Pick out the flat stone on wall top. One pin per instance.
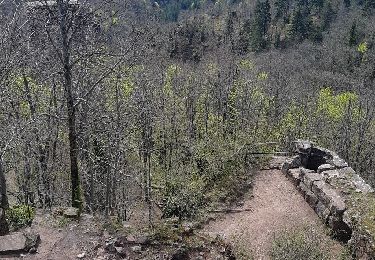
(325, 167)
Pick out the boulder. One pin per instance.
(71, 212)
(18, 242)
(276, 162)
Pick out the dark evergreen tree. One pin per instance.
(257, 41)
(317, 4)
(300, 25)
(369, 6)
(260, 25)
(353, 35)
(262, 15)
(327, 15)
(244, 37)
(281, 8)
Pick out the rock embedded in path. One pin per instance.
(71, 212)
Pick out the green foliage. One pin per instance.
(171, 73)
(121, 86)
(20, 216)
(293, 124)
(336, 106)
(183, 200)
(362, 47)
(297, 245)
(246, 64)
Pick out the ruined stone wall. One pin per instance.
(339, 196)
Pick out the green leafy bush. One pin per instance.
(182, 200)
(297, 245)
(20, 216)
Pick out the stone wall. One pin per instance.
(339, 196)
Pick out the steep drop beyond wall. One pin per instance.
(339, 196)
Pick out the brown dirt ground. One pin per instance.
(276, 206)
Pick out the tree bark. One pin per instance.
(4, 229)
(68, 87)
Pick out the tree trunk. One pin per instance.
(68, 87)
(4, 229)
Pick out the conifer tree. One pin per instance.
(353, 35)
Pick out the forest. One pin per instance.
(120, 106)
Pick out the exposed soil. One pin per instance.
(276, 206)
(273, 207)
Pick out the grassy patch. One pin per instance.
(299, 244)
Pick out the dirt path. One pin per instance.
(276, 206)
(66, 242)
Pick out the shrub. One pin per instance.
(182, 200)
(20, 216)
(297, 245)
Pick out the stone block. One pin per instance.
(304, 171)
(311, 199)
(303, 188)
(322, 211)
(337, 162)
(360, 184)
(310, 178)
(291, 163)
(329, 197)
(331, 174)
(325, 167)
(295, 176)
(71, 212)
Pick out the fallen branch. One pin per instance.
(230, 210)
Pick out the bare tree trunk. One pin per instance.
(4, 229)
(68, 87)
